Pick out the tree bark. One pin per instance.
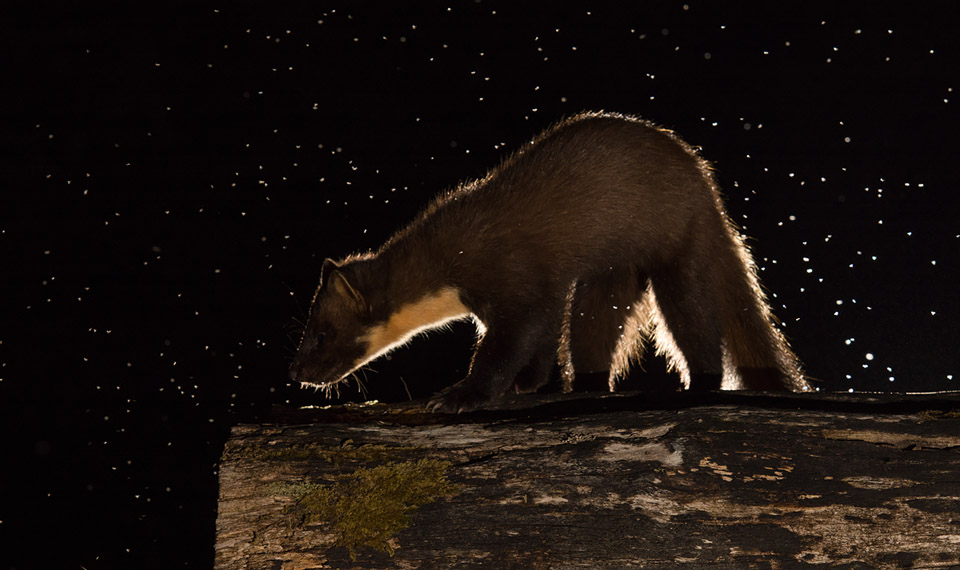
(721, 480)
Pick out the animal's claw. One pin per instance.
(455, 400)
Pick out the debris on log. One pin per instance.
(612, 481)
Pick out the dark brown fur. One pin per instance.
(602, 233)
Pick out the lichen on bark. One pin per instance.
(369, 506)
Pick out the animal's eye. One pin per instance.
(320, 338)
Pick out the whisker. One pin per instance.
(405, 388)
(361, 387)
(294, 331)
(330, 389)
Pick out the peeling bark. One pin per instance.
(728, 480)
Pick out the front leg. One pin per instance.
(500, 355)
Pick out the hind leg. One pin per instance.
(596, 318)
(686, 297)
(608, 322)
(537, 373)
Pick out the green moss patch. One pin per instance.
(368, 506)
(294, 491)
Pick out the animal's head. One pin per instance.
(333, 342)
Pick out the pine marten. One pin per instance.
(601, 233)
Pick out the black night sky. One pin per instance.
(173, 177)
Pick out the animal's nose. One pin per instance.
(294, 373)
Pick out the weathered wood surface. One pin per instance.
(727, 480)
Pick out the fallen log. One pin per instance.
(721, 480)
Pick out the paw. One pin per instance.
(527, 386)
(455, 400)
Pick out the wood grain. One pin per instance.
(725, 480)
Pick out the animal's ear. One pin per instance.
(329, 266)
(341, 285)
(338, 279)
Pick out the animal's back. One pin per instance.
(595, 190)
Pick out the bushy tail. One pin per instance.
(609, 324)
